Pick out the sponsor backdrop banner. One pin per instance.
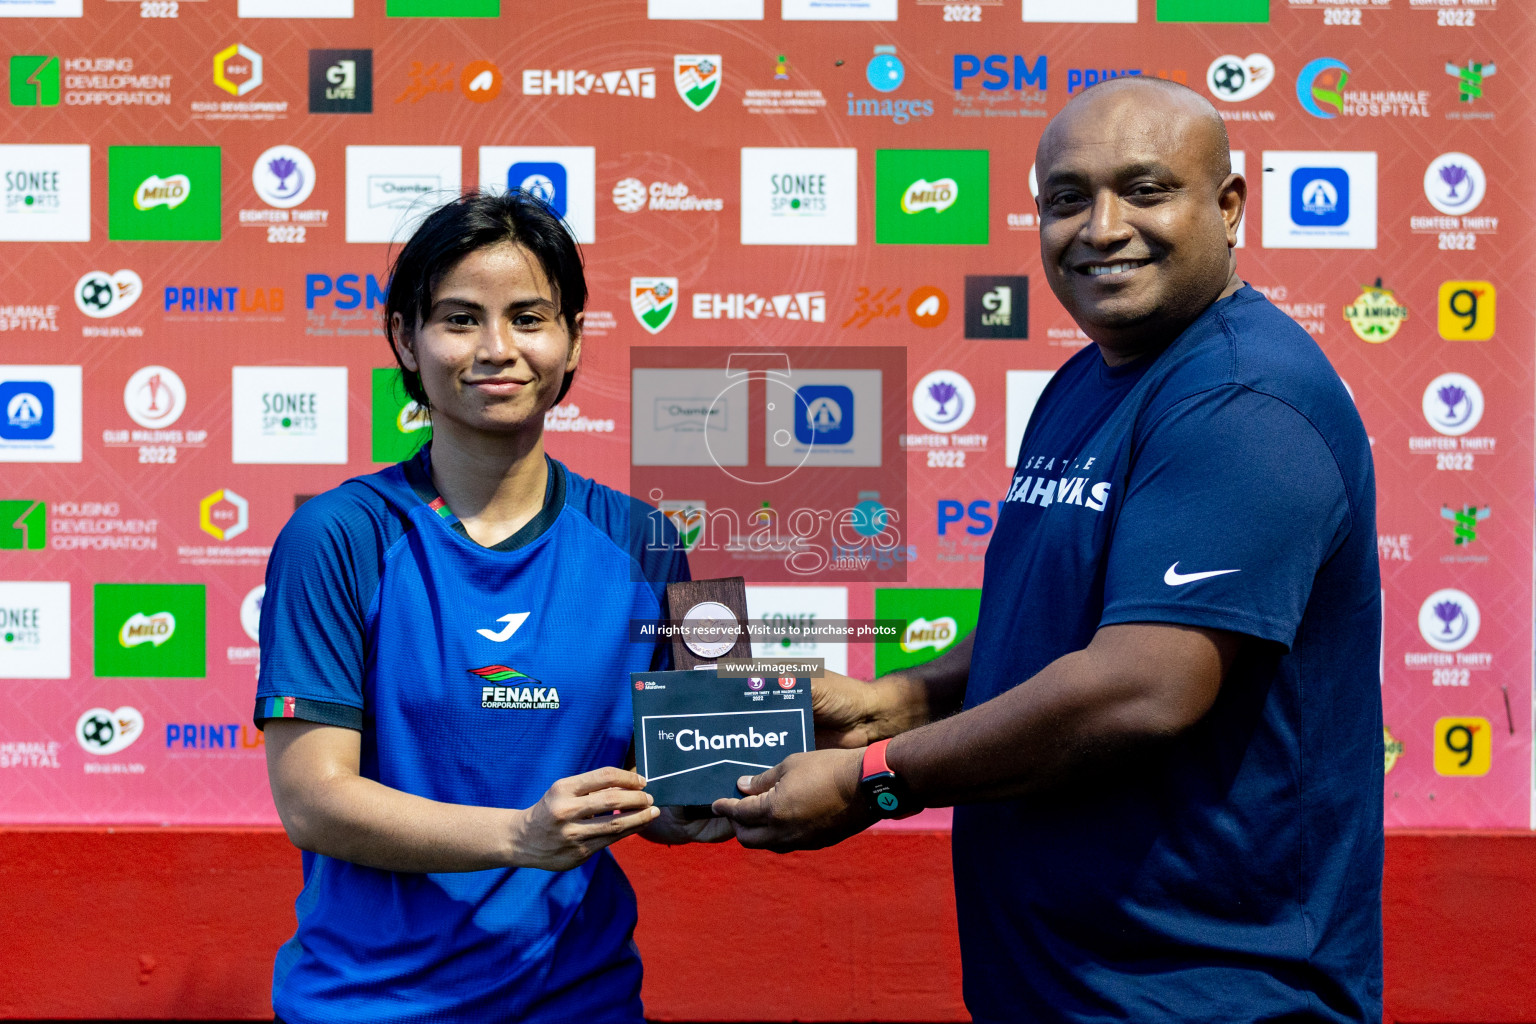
(197, 209)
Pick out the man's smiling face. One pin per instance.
(1137, 213)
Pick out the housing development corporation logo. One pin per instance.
(23, 525)
(697, 77)
(34, 80)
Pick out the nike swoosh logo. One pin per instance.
(1174, 578)
(512, 622)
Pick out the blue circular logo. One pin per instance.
(887, 801)
(885, 72)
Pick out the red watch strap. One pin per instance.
(874, 760)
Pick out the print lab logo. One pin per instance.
(155, 397)
(943, 401)
(653, 300)
(103, 732)
(1453, 404)
(509, 689)
(100, 295)
(1454, 183)
(697, 77)
(1235, 79)
(1449, 620)
(341, 81)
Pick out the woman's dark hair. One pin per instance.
(474, 221)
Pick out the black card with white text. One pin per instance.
(696, 734)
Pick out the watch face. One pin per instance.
(710, 629)
(887, 801)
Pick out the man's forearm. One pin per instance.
(922, 694)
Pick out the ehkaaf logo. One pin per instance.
(513, 690)
(341, 81)
(224, 515)
(636, 83)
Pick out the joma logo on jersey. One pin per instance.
(521, 691)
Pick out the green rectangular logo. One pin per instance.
(442, 9)
(34, 81)
(1215, 11)
(931, 197)
(151, 630)
(163, 193)
(23, 525)
(400, 426)
(934, 621)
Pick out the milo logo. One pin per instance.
(937, 196)
(922, 634)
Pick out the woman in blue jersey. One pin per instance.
(446, 649)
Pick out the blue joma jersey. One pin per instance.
(476, 676)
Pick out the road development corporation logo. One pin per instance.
(653, 300)
(697, 77)
(45, 194)
(508, 689)
(1376, 315)
(283, 177)
(237, 69)
(103, 732)
(1235, 79)
(1453, 404)
(224, 515)
(943, 401)
(155, 397)
(1454, 183)
(1449, 620)
(100, 295)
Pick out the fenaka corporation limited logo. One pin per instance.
(341, 81)
(508, 689)
(653, 300)
(1377, 315)
(697, 77)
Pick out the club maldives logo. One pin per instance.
(283, 177)
(943, 401)
(654, 301)
(1449, 620)
(697, 77)
(139, 628)
(1454, 183)
(155, 397)
(688, 519)
(507, 688)
(1376, 315)
(1453, 404)
(1469, 79)
(1320, 87)
(1235, 79)
(1464, 521)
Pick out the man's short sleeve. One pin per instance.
(321, 577)
(1233, 503)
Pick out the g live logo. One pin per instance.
(1463, 746)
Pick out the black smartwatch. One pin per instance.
(885, 794)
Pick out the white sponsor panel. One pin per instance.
(564, 175)
(390, 189)
(799, 196)
(41, 8)
(1095, 12)
(289, 415)
(1318, 199)
(45, 193)
(688, 418)
(40, 413)
(34, 630)
(800, 608)
(295, 8)
(1024, 389)
(704, 10)
(838, 10)
(824, 418)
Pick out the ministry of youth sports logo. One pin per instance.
(697, 77)
(1453, 404)
(1449, 620)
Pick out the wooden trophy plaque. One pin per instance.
(714, 613)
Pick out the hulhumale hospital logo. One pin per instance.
(1449, 620)
(1453, 404)
(1320, 87)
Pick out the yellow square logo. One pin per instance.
(1463, 746)
(1467, 310)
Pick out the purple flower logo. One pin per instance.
(1451, 396)
(944, 392)
(1449, 620)
(1448, 612)
(1454, 176)
(282, 169)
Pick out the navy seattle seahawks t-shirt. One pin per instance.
(1235, 875)
(476, 675)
